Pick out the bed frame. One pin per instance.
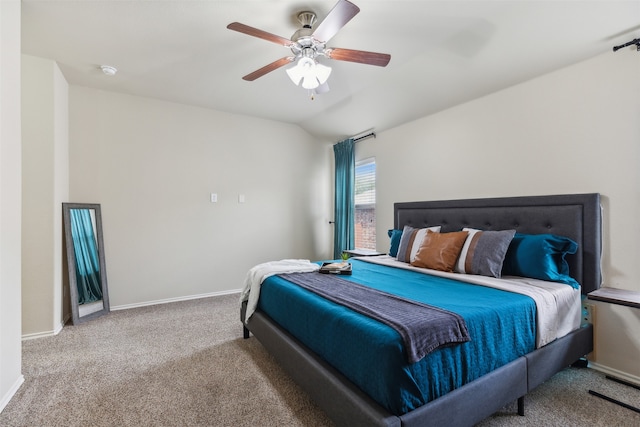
(577, 216)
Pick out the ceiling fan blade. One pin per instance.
(337, 18)
(245, 29)
(268, 68)
(361, 56)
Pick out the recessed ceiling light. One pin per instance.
(109, 70)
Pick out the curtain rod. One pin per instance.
(360, 138)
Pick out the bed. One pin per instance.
(577, 217)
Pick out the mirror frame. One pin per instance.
(71, 262)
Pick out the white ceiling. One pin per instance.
(443, 53)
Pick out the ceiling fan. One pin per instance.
(308, 44)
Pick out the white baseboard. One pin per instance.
(169, 300)
(57, 330)
(128, 306)
(615, 373)
(36, 335)
(12, 391)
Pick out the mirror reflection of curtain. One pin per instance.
(86, 252)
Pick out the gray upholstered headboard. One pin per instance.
(576, 216)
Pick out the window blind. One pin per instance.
(365, 192)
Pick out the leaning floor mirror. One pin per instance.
(85, 261)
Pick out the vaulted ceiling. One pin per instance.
(443, 53)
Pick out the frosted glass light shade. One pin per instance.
(310, 82)
(322, 73)
(295, 74)
(308, 72)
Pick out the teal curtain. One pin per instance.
(86, 252)
(343, 234)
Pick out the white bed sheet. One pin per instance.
(256, 275)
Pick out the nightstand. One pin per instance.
(362, 252)
(621, 297)
(616, 296)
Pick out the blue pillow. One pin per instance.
(540, 256)
(395, 236)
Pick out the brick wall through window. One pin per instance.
(365, 231)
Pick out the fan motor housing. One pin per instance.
(303, 35)
(304, 43)
(307, 19)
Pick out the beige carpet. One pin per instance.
(186, 364)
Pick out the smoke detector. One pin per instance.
(108, 70)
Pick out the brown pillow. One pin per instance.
(440, 251)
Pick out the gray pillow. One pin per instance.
(484, 251)
(410, 242)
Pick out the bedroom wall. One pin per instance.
(45, 185)
(571, 131)
(152, 166)
(10, 194)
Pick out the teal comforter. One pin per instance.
(501, 326)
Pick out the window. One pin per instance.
(365, 201)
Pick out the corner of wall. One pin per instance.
(45, 185)
(10, 200)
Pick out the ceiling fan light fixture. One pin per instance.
(322, 73)
(295, 73)
(310, 83)
(307, 44)
(308, 72)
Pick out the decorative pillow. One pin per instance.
(411, 240)
(439, 251)
(540, 256)
(395, 236)
(483, 252)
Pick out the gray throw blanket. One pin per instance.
(423, 328)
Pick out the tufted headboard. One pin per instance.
(576, 216)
